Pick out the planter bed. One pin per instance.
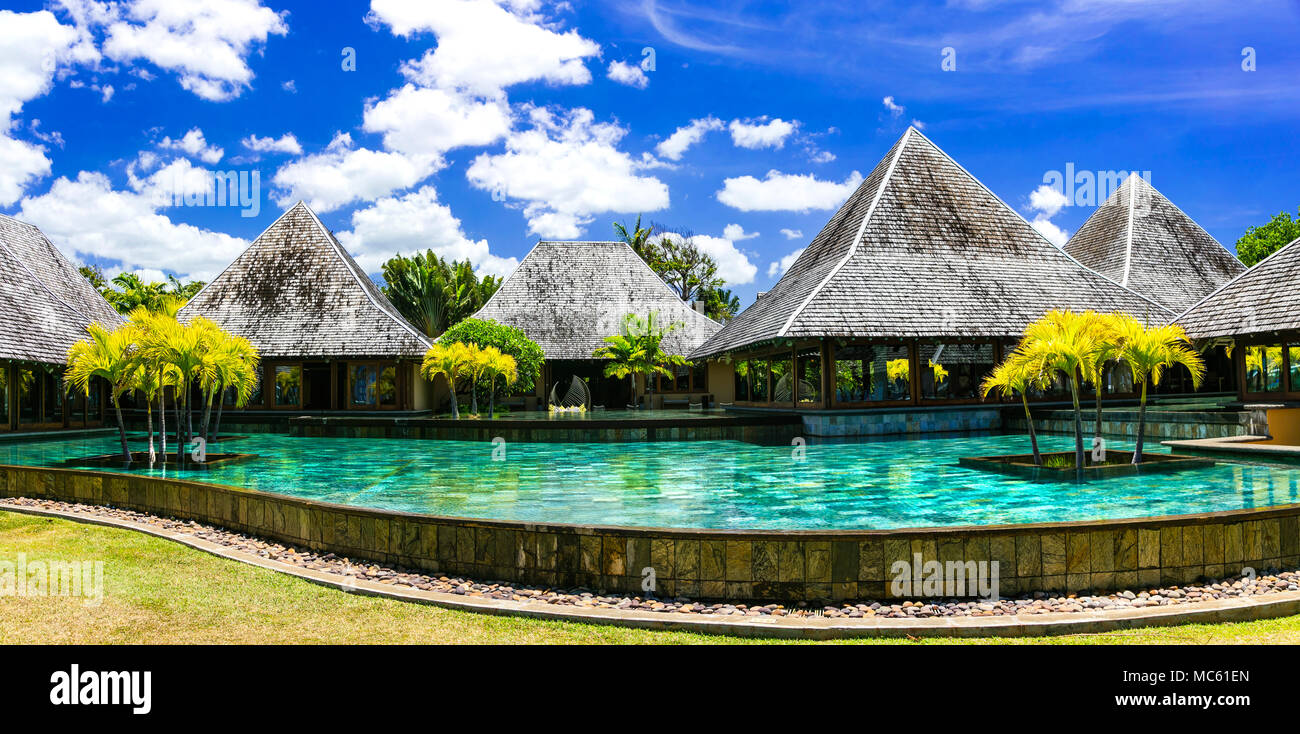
(1118, 464)
(114, 461)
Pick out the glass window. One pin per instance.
(700, 376)
(4, 396)
(1264, 368)
(742, 380)
(387, 386)
(288, 385)
(1293, 353)
(782, 377)
(808, 367)
(255, 397)
(759, 377)
(872, 372)
(954, 371)
(362, 385)
(95, 402)
(53, 403)
(29, 397)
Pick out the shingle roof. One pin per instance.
(1140, 239)
(45, 303)
(1260, 300)
(296, 292)
(923, 249)
(569, 296)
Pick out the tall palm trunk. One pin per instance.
(216, 430)
(121, 430)
(207, 415)
(180, 427)
(1078, 421)
(473, 397)
(1097, 429)
(162, 416)
(1033, 435)
(455, 406)
(1142, 425)
(148, 419)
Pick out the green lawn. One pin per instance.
(157, 591)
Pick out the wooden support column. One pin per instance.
(334, 384)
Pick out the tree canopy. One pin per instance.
(508, 339)
(1260, 242)
(128, 291)
(434, 293)
(690, 272)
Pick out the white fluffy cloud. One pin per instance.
(792, 234)
(786, 192)
(194, 145)
(779, 267)
(629, 74)
(733, 265)
(416, 222)
(287, 143)
(342, 174)
(33, 46)
(761, 133)
(1046, 201)
(736, 233)
(484, 47)
(207, 44)
(421, 121)
(566, 168)
(675, 145)
(89, 217)
(894, 109)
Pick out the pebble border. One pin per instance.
(1229, 600)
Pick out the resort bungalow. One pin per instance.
(894, 313)
(45, 307)
(569, 296)
(328, 338)
(1139, 239)
(1258, 316)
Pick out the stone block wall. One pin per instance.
(709, 564)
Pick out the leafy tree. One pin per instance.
(1064, 342)
(638, 238)
(450, 360)
(720, 304)
(433, 293)
(636, 350)
(1148, 352)
(496, 364)
(1018, 375)
(1260, 242)
(685, 268)
(127, 291)
(508, 339)
(110, 356)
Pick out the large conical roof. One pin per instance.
(295, 292)
(569, 296)
(45, 302)
(1139, 238)
(923, 249)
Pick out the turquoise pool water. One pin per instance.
(705, 484)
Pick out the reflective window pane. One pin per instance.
(808, 367)
(1264, 368)
(387, 387)
(741, 369)
(288, 385)
(872, 372)
(362, 381)
(1294, 356)
(954, 371)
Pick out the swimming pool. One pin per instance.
(874, 485)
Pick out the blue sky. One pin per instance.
(477, 127)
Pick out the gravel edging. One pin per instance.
(1232, 600)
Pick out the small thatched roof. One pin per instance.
(1261, 300)
(45, 302)
(923, 249)
(569, 296)
(1140, 239)
(295, 292)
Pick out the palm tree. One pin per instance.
(1064, 342)
(497, 364)
(1108, 348)
(1148, 351)
(450, 361)
(231, 361)
(1018, 374)
(638, 238)
(184, 347)
(637, 350)
(109, 355)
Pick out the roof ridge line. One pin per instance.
(661, 281)
(862, 228)
(1241, 275)
(1187, 216)
(1128, 232)
(251, 242)
(337, 247)
(1034, 229)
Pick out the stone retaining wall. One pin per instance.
(709, 564)
(885, 423)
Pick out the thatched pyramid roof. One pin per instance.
(569, 296)
(1139, 238)
(45, 303)
(1261, 300)
(295, 292)
(923, 249)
